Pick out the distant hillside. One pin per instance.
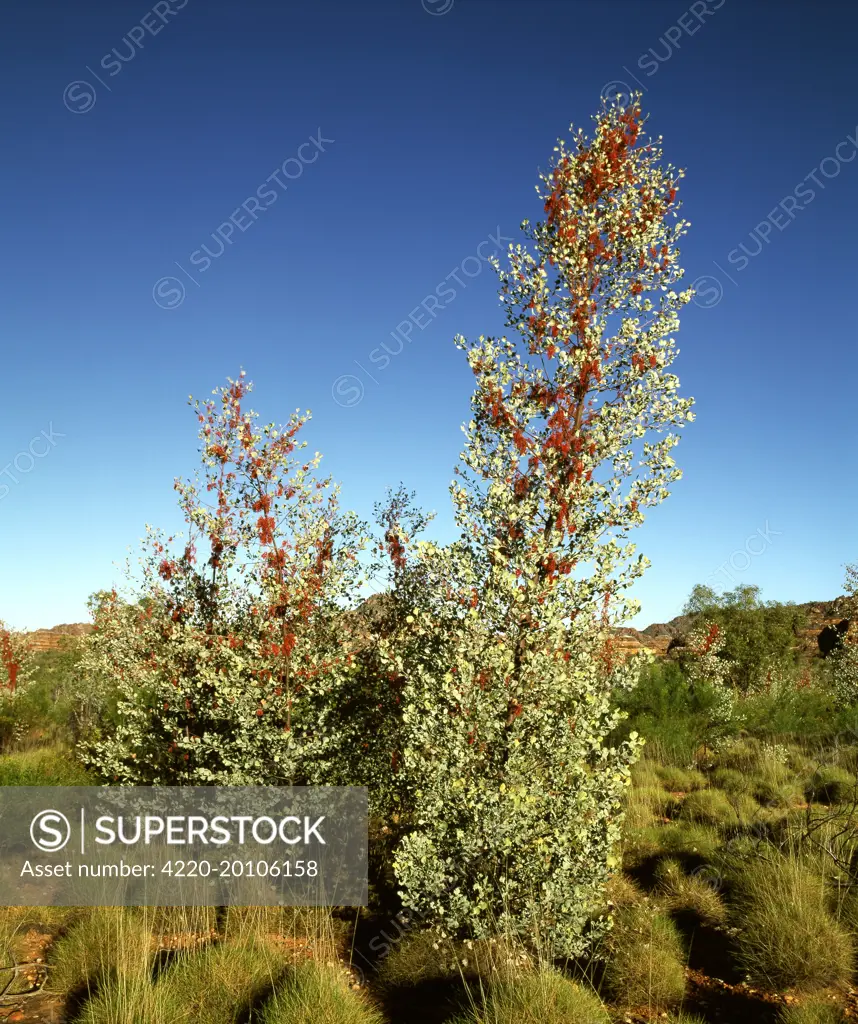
(656, 637)
(52, 639)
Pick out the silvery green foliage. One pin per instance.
(516, 793)
(705, 665)
(230, 668)
(844, 674)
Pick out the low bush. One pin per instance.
(419, 956)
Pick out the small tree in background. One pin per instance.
(517, 797)
(844, 660)
(229, 666)
(760, 639)
(707, 666)
(16, 661)
(16, 672)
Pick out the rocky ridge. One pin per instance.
(821, 615)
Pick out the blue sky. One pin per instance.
(133, 132)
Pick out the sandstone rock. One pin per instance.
(55, 638)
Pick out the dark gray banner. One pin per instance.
(189, 846)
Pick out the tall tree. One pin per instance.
(517, 797)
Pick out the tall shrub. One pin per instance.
(516, 794)
(16, 671)
(707, 668)
(761, 638)
(232, 660)
(16, 661)
(367, 717)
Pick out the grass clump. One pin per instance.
(696, 892)
(645, 803)
(315, 993)
(780, 795)
(680, 838)
(217, 984)
(680, 780)
(645, 960)
(812, 1011)
(623, 892)
(170, 923)
(544, 997)
(709, 807)
(645, 773)
(46, 766)
(740, 755)
(730, 780)
(788, 936)
(105, 944)
(831, 785)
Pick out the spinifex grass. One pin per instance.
(788, 936)
(544, 997)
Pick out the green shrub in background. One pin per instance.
(791, 710)
(16, 667)
(675, 717)
(760, 637)
(56, 706)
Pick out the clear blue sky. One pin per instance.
(440, 115)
